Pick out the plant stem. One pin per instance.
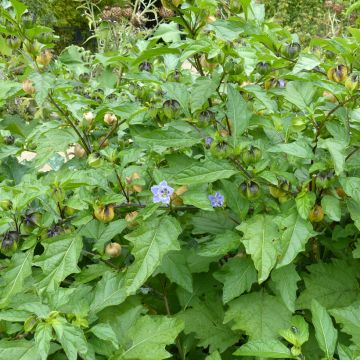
(69, 121)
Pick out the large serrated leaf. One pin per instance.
(151, 242)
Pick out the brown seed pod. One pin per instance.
(113, 249)
(28, 87)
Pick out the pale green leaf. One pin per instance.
(18, 350)
(299, 148)
(13, 277)
(204, 172)
(333, 285)
(265, 349)
(298, 333)
(148, 338)
(306, 62)
(305, 201)
(58, 260)
(349, 318)
(284, 284)
(254, 314)
(260, 237)
(221, 244)
(332, 207)
(351, 186)
(295, 234)
(337, 150)
(109, 291)
(326, 334)
(174, 266)
(151, 241)
(105, 332)
(238, 113)
(202, 90)
(43, 336)
(300, 93)
(237, 275)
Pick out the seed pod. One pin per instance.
(130, 218)
(166, 13)
(171, 108)
(79, 151)
(340, 191)
(250, 189)
(89, 117)
(145, 66)
(316, 214)
(323, 179)
(14, 42)
(110, 118)
(251, 155)
(104, 213)
(9, 140)
(5, 205)
(293, 50)
(206, 117)
(58, 194)
(94, 160)
(44, 58)
(263, 67)
(338, 73)
(352, 82)
(127, 12)
(329, 96)
(54, 231)
(113, 249)
(28, 87)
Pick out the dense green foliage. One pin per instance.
(194, 194)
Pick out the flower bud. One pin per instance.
(113, 249)
(109, 118)
(28, 87)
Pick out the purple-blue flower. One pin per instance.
(162, 192)
(217, 200)
(208, 140)
(281, 83)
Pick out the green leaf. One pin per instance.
(299, 148)
(238, 113)
(265, 348)
(8, 89)
(305, 201)
(109, 291)
(19, 350)
(300, 93)
(351, 186)
(306, 62)
(332, 207)
(105, 332)
(151, 241)
(260, 237)
(349, 318)
(174, 266)
(165, 137)
(214, 356)
(326, 334)
(58, 260)
(43, 82)
(285, 284)
(221, 244)
(206, 320)
(254, 314)
(179, 92)
(298, 333)
(295, 234)
(202, 90)
(103, 233)
(168, 32)
(12, 279)
(333, 285)
(237, 275)
(148, 338)
(204, 172)
(43, 336)
(237, 203)
(71, 338)
(337, 150)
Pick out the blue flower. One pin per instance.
(281, 83)
(208, 140)
(217, 200)
(162, 192)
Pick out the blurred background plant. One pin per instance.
(310, 18)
